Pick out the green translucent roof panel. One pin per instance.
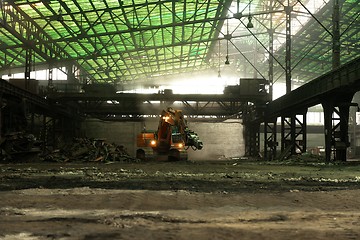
(132, 40)
(111, 40)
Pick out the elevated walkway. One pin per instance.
(343, 80)
(38, 104)
(334, 91)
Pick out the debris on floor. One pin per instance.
(90, 149)
(19, 144)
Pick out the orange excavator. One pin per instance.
(170, 141)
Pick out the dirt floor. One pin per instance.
(235, 199)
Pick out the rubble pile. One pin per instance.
(88, 149)
(18, 145)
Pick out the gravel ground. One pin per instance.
(235, 199)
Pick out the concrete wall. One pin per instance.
(121, 133)
(221, 140)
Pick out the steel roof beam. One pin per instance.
(30, 34)
(20, 25)
(149, 28)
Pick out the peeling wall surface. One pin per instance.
(221, 140)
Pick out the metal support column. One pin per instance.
(300, 133)
(48, 135)
(252, 138)
(251, 131)
(271, 50)
(342, 140)
(270, 143)
(336, 126)
(288, 10)
(287, 123)
(270, 126)
(50, 82)
(28, 57)
(293, 134)
(336, 35)
(328, 113)
(70, 73)
(28, 54)
(286, 145)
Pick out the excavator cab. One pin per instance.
(171, 139)
(146, 141)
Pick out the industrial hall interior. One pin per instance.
(183, 97)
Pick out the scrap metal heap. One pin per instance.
(89, 150)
